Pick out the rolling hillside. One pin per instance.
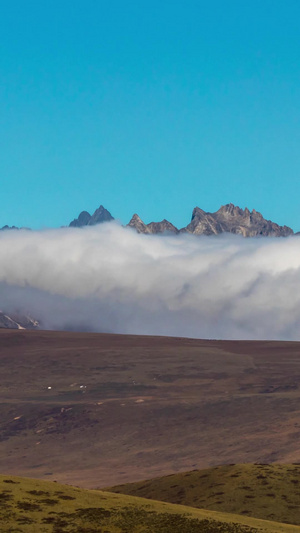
(31, 506)
(270, 492)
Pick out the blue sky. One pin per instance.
(148, 106)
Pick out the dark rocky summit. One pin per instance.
(6, 228)
(85, 219)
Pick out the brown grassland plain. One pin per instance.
(124, 408)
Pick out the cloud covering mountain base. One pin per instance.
(110, 279)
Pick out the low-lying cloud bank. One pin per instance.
(109, 278)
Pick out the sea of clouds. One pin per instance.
(108, 278)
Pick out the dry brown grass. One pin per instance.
(204, 403)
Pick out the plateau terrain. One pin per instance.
(98, 410)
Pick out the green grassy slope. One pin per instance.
(34, 506)
(269, 492)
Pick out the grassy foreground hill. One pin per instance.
(34, 506)
(270, 492)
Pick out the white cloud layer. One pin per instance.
(109, 278)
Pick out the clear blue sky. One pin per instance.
(148, 106)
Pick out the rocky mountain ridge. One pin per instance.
(85, 219)
(228, 219)
(16, 321)
(154, 227)
(232, 219)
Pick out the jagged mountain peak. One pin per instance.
(232, 219)
(82, 220)
(137, 223)
(162, 227)
(233, 210)
(85, 219)
(135, 218)
(101, 215)
(153, 227)
(229, 218)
